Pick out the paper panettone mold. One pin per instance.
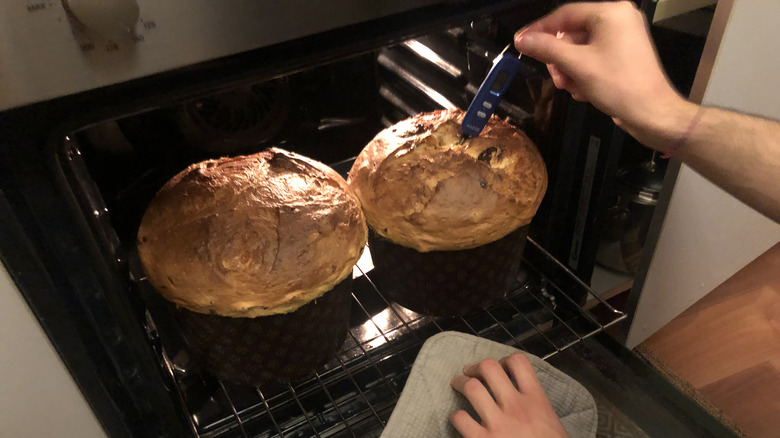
(251, 351)
(447, 283)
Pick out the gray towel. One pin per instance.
(427, 400)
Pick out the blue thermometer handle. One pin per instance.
(494, 86)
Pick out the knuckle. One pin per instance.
(460, 415)
(488, 365)
(618, 11)
(629, 10)
(625, 6)
(519, 360)
(471, 385)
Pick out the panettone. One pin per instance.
(253, 235)
(424, 186)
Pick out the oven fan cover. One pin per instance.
(234, 120)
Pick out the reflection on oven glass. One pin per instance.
(384, 327)
(237, 119)
(364, 264)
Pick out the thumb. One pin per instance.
(546, 48)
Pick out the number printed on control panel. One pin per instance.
(35, 7)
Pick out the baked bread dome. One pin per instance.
(423, 186)
(253, 235)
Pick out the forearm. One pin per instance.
(739, 153)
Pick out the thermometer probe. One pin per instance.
(505, 67)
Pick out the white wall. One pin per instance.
(707, 235)
(38, 397)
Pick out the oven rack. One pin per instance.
(354, 394)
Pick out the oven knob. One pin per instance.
(106, 18)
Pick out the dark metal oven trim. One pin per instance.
(47, 241)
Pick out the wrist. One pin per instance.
(665, 127)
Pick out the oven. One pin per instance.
(101, 104)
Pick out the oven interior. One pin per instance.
(328, 113)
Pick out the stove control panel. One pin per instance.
(106, 18)
(53, 48)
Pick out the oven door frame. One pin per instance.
(53, 256)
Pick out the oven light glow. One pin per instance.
(425, 52)
(364, 264)
(432, 94)
(385, 326)
(376, 328)
(382, 320)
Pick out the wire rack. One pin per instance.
(354, 394)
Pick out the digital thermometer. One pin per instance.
(494, 86)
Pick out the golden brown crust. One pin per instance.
(423, 186)
(253, 235)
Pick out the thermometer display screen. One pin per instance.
(501, 78)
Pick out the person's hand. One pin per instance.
(518, 406)
(602, 53)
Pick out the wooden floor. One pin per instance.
(727, 346)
